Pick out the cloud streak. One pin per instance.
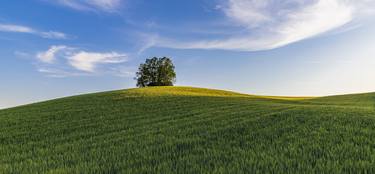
(92, 5)
(87, 61)
(62, 60)
(49, 56)
(272, 24)
(24, 29)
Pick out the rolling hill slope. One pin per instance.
(189, 130)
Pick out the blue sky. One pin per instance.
(56, 48)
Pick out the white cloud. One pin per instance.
(49, 56)
(62, 61)
(87, 61)
(249, 12)
(15, 28)
(105, 4)
(53, 35)
(123, 71)
(59, 73)
(29, 30)
(271, 24)
(92, 5)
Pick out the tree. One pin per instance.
(156, 72)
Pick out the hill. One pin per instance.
(189, 130)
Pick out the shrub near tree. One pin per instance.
(156, 72)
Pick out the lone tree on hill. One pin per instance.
(156, 72)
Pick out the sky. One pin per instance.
(57, 48)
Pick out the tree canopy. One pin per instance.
(156, 72)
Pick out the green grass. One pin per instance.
(189, 130)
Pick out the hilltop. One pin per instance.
(189, 130)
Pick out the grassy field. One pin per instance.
(189, 130)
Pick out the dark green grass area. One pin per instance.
(189, 130)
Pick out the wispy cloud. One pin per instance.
(62, 60)
(16, 28)
(49, 56)
(92, 5)
(271, 24)
(124, 71)
(53, 35)
(24, 29)
(59, 72)
(87, 61)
